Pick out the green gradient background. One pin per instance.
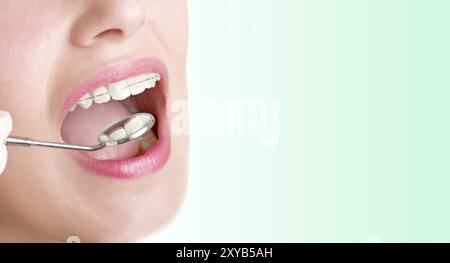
(364, 91)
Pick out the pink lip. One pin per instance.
(155, 158)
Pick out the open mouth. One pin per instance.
(127, 88)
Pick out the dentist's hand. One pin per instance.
(5, 130)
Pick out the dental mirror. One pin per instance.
(119, 132)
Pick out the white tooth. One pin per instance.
(118, 134)
(85, 102)
(152, 84)
(152, 76)
(119, 90)
(134, 80)
(74, 107)
(102, 98)
(149, 84)
(146, 118)
(122, 94)
(148, 75)
(136, 89)
(156, 76)
(133, 125)
(103, 138)
(101, 95)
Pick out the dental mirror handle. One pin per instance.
(20, 141)
(139, 124)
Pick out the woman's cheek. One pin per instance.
(27, 52)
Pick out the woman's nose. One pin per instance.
(106, 20)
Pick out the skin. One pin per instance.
(5, 129)
(46, 48)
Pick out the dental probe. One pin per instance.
(119, 132)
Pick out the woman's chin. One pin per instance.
(131, 217)
(128, 228)
(130, 224)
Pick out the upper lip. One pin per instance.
(114, 73)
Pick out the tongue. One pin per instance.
(84, 126)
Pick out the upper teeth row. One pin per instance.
(120, 90)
